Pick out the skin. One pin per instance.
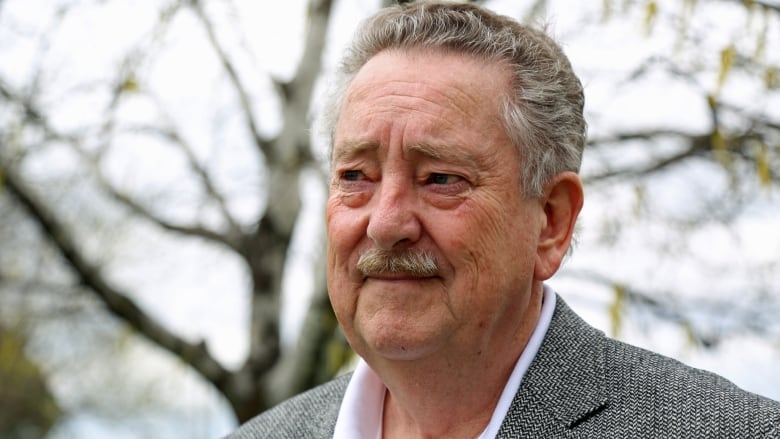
(421, 160)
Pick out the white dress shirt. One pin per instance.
(360, 415)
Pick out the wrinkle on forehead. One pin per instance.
(415, 95)
(447, 84)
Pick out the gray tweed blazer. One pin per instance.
(580, 385)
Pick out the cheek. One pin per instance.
(342, 297)
(345, 229)
(497, 242)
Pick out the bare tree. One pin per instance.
(262, 244)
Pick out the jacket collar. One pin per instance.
(565, 383)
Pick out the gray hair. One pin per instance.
(543, 110)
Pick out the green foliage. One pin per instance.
(772, 77)
(27, 408)
(727, 58)
(617, 309)
(130, 84)
(651, 12)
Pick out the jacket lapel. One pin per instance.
(565, 383)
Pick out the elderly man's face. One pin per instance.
(422, 163)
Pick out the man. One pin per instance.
(456, 137)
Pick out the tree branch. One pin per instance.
(292, 146)
(189, 230)
(769, 6)
(231, 240)
(117, 302)
(233, 234)
(32, 114)
(697, 144)
(727, 316)
(172, 135)
(243, 95)
(734, 145)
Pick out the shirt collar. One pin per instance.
(360, 415)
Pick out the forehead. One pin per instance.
(459, 77)
(438, 93)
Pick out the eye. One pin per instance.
(438, 178)
(352, 181)
(352, 175)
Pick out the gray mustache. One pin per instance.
(416, 262)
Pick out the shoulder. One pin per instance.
(663, 394)
(670, 380)
(311, 414)
(606, 388)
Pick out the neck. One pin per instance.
(454, 394)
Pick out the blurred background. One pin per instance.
(161, 197)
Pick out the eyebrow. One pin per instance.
(455, 155)
(351, 149)
(348, 150)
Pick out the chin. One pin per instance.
(400, 352)
(399, 344)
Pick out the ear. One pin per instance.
(561, 202)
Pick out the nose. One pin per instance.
(393, 221)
